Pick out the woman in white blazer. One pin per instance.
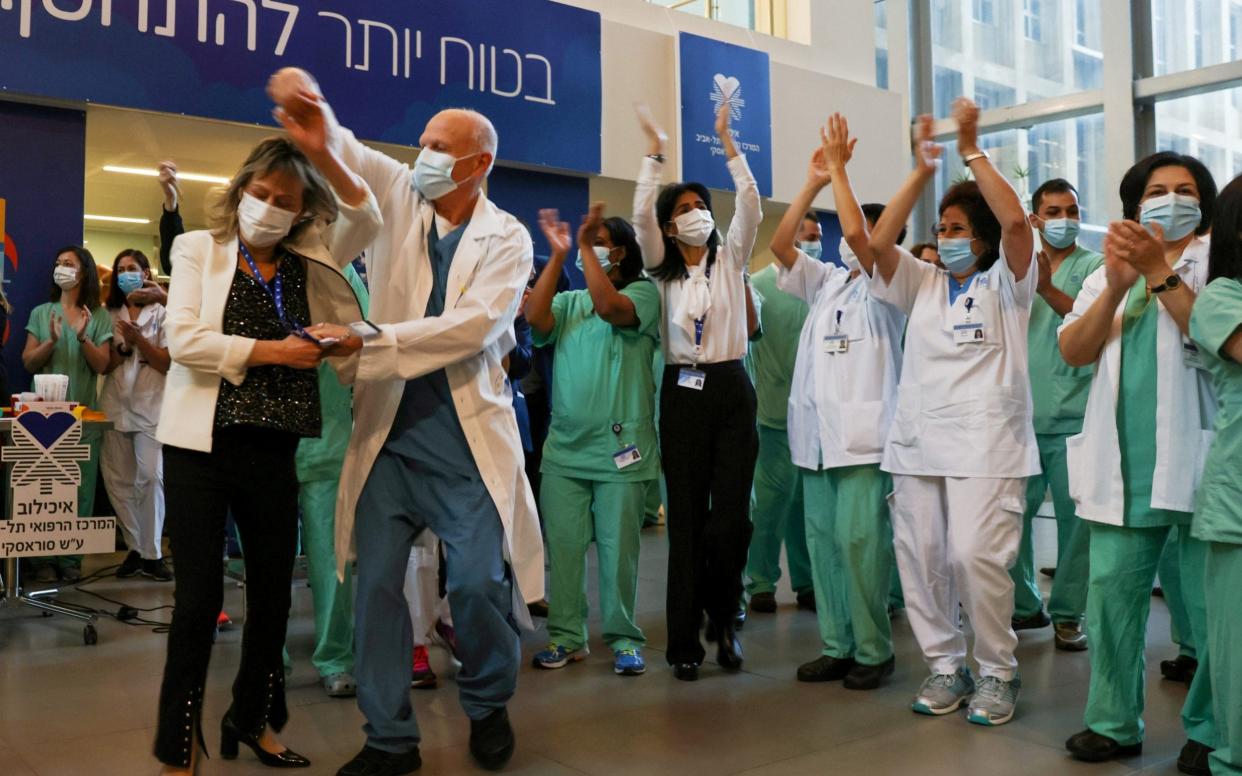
(1136, 465)
(241, 392)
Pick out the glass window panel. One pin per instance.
(1027, 48)
(1206, 126)
(1072, 149)
(881, 44)
(947, 87)
(737, 12)
(1188, 34)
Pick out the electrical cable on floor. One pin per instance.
(124, 614)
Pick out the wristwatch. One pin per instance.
(966, 160)
(1171, 282)
(657, 157)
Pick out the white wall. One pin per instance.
(836, 72)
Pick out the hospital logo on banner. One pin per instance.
(45, 455)
(713, 75)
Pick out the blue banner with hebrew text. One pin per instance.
(386, 66)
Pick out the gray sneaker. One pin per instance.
(340, 686)
(994, 702)
(944, 693)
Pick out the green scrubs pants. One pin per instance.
(850, 539)
(777, 514)
(1224, 630)
(333, 600)
(1174, 598)
(1068, 601)
(1123, 568)
(575, 512)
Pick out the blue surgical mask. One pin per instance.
(812, 248)
(1061, 232)
(129, 282)
(602, 255)
(433, 173)
(1177, 214)
(956, 256)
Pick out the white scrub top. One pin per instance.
(134, 392)
(963, 410)
(842, 402)
(1184, 404)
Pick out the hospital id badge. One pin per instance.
(626, 456)
(968, 333)
(836, 343)
(691, 378)
(1191, 357)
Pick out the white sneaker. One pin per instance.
(994, 702)
(944, 693)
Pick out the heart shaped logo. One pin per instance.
(727, 86)
(46, 429)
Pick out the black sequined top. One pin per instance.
(275, 397)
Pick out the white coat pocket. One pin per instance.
(862, 427)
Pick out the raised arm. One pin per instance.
(171, 225)
(1090, 323)
(747, 208)
(783, 243)
(610, 304)
(383, 174)
(892, 221)
(539, 303)
(838, 150)
(1016, 235)
(647, 190)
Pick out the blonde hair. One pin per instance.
(275, 154)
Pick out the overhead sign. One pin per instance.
(713, 74)
(45, 454)
(386, 66)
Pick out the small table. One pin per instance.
(11, 591)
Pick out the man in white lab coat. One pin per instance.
(435, 441)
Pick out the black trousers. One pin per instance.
(251, 472)
(709, 444)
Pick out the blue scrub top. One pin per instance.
(426, 430)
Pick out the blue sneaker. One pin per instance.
(559, 656)
(629, 662)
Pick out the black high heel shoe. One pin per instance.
(231, 736)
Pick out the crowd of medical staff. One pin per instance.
(895, 421)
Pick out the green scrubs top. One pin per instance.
(1136, 412)
(321, 457)
(67, 358)
(1058, 389)
(770, 360)
(1218, 509)
(603, 378)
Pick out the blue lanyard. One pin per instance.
(275, 290)
(698, 323)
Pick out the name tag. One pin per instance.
(968, 333)
(836, 343)
(1191, 356)
(692, 379)
(626, 456)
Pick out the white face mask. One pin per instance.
(261, 224)
(65, 277)
(433, 173)
(695, 227)
(848, 257)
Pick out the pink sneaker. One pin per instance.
(424, 678)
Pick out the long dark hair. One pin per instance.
(116, 297)
(1134, 183)
(621, 233)
(88, 278)
(673, 264)
(967, 196)
(1225, 252)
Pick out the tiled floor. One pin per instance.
(69, 710)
